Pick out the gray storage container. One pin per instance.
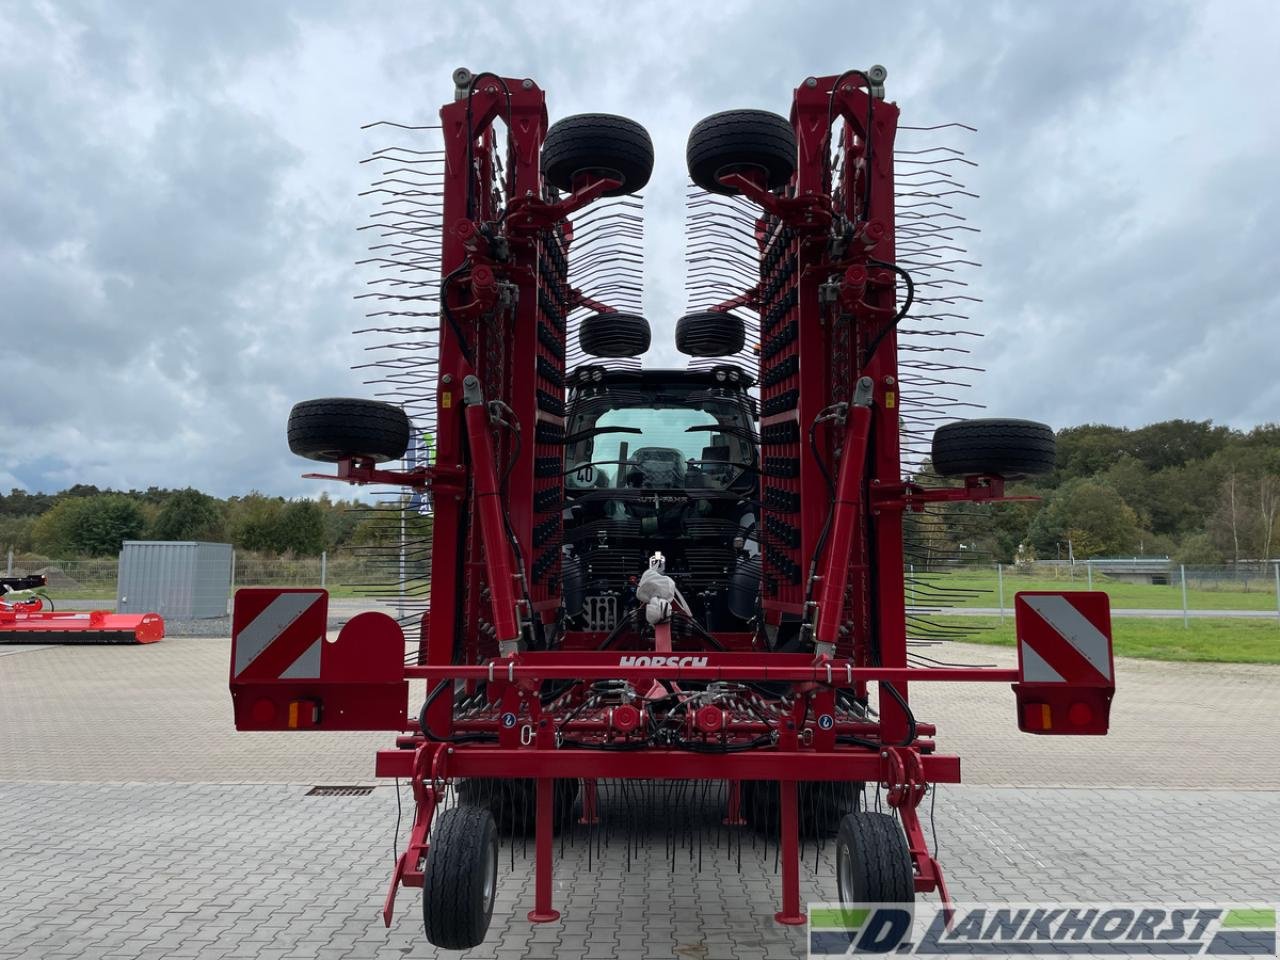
(180, 580)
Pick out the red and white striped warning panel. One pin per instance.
(278, 634)
(1065, 638)
(288, 674)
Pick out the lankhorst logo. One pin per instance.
(1040, 929)
(660, 661)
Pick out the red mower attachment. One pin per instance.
(28, 620)
(94, 626)
(659, 578)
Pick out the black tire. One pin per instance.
(825, 803)
(758, 801)
(709, 333)
(598, 143)
(513, 803)
(821, 804)
(460, 878)
(739, 141)
(336, 429)
(614, 335)
(1003, 448)
(873, 863)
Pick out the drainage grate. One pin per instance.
(339, 791)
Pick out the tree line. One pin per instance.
(85, 521)
(1186, 489)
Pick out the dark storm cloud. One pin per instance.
(178, 198)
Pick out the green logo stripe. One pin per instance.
(836, 918)
(1249, 920)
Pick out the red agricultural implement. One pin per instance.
(653, 575)
(32, 619)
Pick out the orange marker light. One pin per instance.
(303, 714)
(1037, 716)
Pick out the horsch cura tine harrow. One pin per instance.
(661, 590)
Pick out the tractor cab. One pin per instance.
(660, 461)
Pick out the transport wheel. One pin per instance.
(513, 803)
(600, 144)
(1004, 448)
(564, 797)
(873, 863)
(336, 429)
(614, 335)
(460, 878)
(759, 804)
(820, 805)
(496, 795)
(708, 333)
(564, 803)
(741, 141)
(824, 803)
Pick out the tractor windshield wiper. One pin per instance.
(597, 431)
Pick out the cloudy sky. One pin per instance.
(178, 197)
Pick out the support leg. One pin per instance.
(542, 911)
(733, 815)
(789, 831)
(590, 797)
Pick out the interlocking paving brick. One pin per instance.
(167, 853)
(137, 823)
(161, 712)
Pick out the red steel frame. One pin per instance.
(476, 575)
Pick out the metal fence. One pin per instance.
(1158, 587)
(342, 573)
(1161, 587)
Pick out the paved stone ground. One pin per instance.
(209, 871)
(135, 823)
(161, 712)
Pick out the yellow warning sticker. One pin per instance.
(446, 400)
(889, 399)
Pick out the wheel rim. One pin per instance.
(744, 168)
(490, 876)
(580, 177)
(844, 873)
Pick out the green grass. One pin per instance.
(82, 593)
(1205, 640)
(1259, 595)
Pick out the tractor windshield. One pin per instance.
(666, 436)
(660, 461)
